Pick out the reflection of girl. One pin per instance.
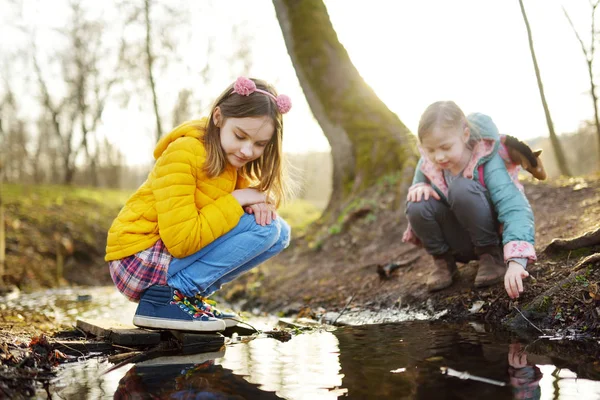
(524, 378)
(205, 380)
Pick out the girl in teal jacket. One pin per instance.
(464, 205)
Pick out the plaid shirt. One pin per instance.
(134, 274)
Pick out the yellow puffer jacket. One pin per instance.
(178, 203)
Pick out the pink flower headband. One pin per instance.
(245, 87)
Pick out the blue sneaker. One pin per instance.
(228, 316)
(163, 307)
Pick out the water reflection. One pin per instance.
(186, 377)
(305, 367)
(404, 361)
(395, 361)
(524, 376)
(389, 361)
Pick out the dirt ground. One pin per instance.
(342, 270)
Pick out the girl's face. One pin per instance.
(447, 147)
(244, 139)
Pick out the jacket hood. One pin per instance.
(483, 126)
(194, 128)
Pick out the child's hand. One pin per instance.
(423, 191)
(264, 213)
(249, 196)
(513, 279)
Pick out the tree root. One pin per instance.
(588, 239)
(588, 260)
(385, 271)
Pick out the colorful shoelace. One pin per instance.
(191, 306)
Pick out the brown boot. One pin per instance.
(444, 268)
(491, 266)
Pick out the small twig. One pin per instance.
(529, 344)
(576, 298)
(123, 347)
(245, 323)
(517, 308)
(72, 348)
(122, 356)
(349, 301)
(344, 309)
(132, 359)
(85, 335)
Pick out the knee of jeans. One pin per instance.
(419, 210)
(284, 233)
(461, 189)
(270, 231)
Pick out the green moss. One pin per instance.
(371, 217)
(544, 305)
(582, 280)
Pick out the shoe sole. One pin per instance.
(438, 287)
(435, 288)
(488, 283)
(230, 322)
(195, 326)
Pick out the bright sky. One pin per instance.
(411, 53)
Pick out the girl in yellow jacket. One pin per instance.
(206, 212)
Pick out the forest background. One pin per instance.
(87, 90)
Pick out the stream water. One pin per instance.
(405, 360)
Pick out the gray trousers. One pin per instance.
(465, 222)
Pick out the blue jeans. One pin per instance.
(238, 251)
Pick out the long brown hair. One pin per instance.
(268, 172)
(445, 115)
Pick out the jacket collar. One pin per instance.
(482, 152)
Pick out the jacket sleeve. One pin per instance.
(513, 209)
(419, 176)
(183, 227)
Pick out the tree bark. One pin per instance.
(367, 140)
(558, 153)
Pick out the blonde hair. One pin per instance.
(445, 115)
(268, 173)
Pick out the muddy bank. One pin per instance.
(338, 271)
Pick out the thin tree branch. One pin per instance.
(583, 48)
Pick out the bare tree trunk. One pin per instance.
(367, 139)
(150, 64)
(36, 158)
(560, 157)
(68, 172)
(589, 58)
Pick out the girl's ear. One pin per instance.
(466, 134)
(217, 117)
